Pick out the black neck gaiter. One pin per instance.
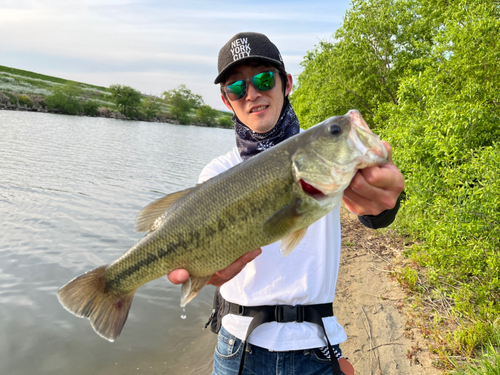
(251, 143)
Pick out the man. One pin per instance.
(255, 87)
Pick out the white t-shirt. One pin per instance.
(307, 276)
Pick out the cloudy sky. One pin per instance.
(152, 45)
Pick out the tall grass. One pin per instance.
(487, 363)
(35, 81)
(22, 87)
(29, 83)
(42, 77)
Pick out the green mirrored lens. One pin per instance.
(236, 90)
(264, 81)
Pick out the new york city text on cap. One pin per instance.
(247, 46)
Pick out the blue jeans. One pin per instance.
(260, 361)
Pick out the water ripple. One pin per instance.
(70, 188)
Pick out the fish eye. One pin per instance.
(335, 129)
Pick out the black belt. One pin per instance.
(285, 314)
(282, 313)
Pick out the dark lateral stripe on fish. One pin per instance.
(151, 258)
(171, 248)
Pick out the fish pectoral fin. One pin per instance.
(290, 242)
(146, 218)
(283, 220)
(192, 287)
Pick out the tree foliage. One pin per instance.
(90, 108)
(150, 106)
(363, 66)
(126, 98)
(207, 115)
(226, 122)
(181, 101)
(25, 100)
(425, 75)
(65, 98)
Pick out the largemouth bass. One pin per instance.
(273, 196)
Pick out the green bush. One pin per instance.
(206, 115)
(363, 64)
(90, 108)
(425, 76)
(184, 118)
(127, 99)
(226, 122)
(12, 98)
(150, 107)
(445, 136)
(65, 98)
(181, 101)
(25, 100)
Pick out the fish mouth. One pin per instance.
(326, 190)
(311, 190)
(361, 137)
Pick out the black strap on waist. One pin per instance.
(285, 314)
(282, 313)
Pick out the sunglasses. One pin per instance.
(264, 81)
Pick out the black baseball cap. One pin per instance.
(247, 46)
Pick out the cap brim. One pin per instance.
(223, 73)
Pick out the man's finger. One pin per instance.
(179, 276)
(385, 177)
(359, 204)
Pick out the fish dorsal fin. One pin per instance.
(290, 242)
(146, 217)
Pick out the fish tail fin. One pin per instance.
(86, 296)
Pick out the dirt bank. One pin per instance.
(369, 306)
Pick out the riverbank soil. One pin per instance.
(370, 306)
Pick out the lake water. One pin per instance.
(70, 188)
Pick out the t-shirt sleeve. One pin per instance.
(217, 166)
(207, 173)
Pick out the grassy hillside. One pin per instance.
(25, 90)
(27, 75)
(16, 81)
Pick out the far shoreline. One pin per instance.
(112, 115)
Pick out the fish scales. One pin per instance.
(273, 196)
(224, 207)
